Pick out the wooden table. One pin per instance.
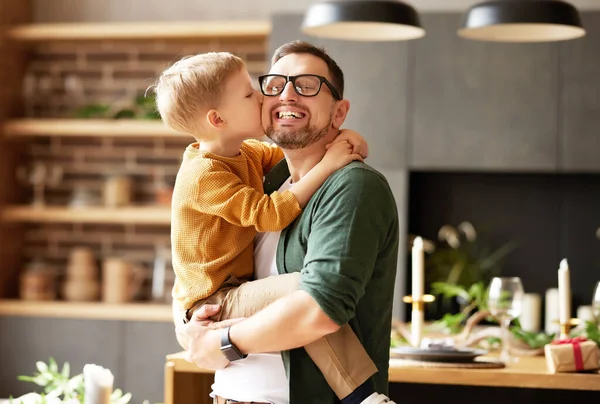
(182, 388)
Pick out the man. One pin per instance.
(345, 245)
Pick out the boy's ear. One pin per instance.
(340, 113)
(214, 119)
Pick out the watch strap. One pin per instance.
(231, 352)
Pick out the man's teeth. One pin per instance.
(290, 115)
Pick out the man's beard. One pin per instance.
(297, 138)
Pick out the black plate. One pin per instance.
(437, 355)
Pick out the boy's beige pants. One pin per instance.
(340, 356)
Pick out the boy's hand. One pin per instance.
(359, 144)
(339, 154)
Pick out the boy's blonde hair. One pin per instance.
(192, 86)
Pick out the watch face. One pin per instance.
(231, 353)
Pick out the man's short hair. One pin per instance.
(290, 48)
(193, 85)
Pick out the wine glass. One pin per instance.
(596, 303)
(505, 300)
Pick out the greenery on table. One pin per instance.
(474, 298)
(534, 340)
(59, 387)
(465, 258)
(141, 107)
(590, 330)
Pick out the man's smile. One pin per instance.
(288, 115)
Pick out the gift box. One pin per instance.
(571, 355)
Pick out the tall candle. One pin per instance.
(418, 269)
(418, 286)
(564, 292)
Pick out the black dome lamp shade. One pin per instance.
(522, 21)
(363, 21)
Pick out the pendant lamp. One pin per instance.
(522, 21)
(357, 20)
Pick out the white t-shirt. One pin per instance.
(259, 377)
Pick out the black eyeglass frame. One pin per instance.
(322, 80)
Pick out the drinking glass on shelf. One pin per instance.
(505, 299)
(596, 303)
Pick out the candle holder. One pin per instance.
(417, 316)
(419, 304)
(565, 328)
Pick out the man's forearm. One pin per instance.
(290, 322)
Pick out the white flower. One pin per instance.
(468, 230)
(449, 234)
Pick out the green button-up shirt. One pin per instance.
(345, 243)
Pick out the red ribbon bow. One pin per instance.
(578, 356)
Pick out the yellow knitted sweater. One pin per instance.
(218, 206)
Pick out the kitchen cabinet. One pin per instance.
(481, 106)
(579, 101)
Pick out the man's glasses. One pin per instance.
(306, 85)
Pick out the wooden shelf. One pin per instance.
(140, 31)
(91, 310)
(143, 215)
(130, 128)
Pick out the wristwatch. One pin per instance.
(231, 352)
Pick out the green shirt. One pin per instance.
(345, 243)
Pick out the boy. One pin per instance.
(219, 204)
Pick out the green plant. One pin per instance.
(464, 258)
(58, 387)
(590, 330)
(141, 107)
(474, 298)
(534, 340)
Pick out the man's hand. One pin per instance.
(204, 338)
(359, 144)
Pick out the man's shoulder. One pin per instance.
(358, 175)
(356, 185)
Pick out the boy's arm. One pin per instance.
(221, 193)
(269, 154)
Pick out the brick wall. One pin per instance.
(63, 77)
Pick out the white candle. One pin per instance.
(98, 384)
(551, 314)
(530, 314)
(564, 292)
(418, 286)
(585, 313)
(418, 269)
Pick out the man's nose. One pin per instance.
(288, 93)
